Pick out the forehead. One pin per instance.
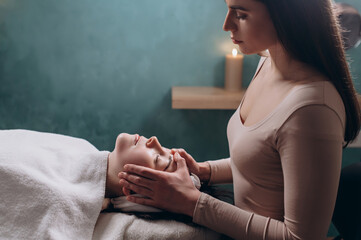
(243, 4)
(240, 2)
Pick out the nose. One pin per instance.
(154, 143)
(228, 24)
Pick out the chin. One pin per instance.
(122, 139)
(248, 52)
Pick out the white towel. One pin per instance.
(121, 226)
(51, 186)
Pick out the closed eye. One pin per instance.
(156, 159)
(243, 17)
(170, 159)
(240, 14)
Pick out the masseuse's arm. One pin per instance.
(310, 147)
(214, 172)
(220, 171)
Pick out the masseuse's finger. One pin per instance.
(182, 168)
(181, 163)
(181, 152)
(126, 191)
(137, 180)
(143, 171)
(191, 163)
(135, 188)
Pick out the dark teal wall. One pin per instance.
(93, 69)
(354, 154)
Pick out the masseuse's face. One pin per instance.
(250, 26)
(135, 149)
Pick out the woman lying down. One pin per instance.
(137, 150)
(53, 186)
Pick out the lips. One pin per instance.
(136, 139)
(236, 41)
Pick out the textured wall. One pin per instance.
(354, 55)
(93, 69)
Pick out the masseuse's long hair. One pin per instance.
(309, 31)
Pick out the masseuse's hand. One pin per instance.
(171, 191)
(202, 170)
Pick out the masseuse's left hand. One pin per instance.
(171, 191)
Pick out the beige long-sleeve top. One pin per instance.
(285, 169)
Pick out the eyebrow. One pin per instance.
(238, 7)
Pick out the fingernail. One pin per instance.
(177, 154)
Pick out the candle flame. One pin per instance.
(234, 52)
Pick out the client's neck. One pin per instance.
(112, 187)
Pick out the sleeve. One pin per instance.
(310, 149)
(220, 171)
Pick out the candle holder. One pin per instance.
(233, 71)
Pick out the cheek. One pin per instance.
(258, 39)
(269, 35)
(265, 31)
(139, 158)
(172, 168)
(255, 32)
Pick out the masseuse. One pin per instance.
(286, 137)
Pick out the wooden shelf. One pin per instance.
(205, 98)
(209, 98)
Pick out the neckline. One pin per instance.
(260, 65)
(275, 110)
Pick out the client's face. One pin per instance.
(135, 149)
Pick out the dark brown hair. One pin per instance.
(309, 31)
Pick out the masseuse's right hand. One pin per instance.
(202, 170)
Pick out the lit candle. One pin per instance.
(233, 71)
